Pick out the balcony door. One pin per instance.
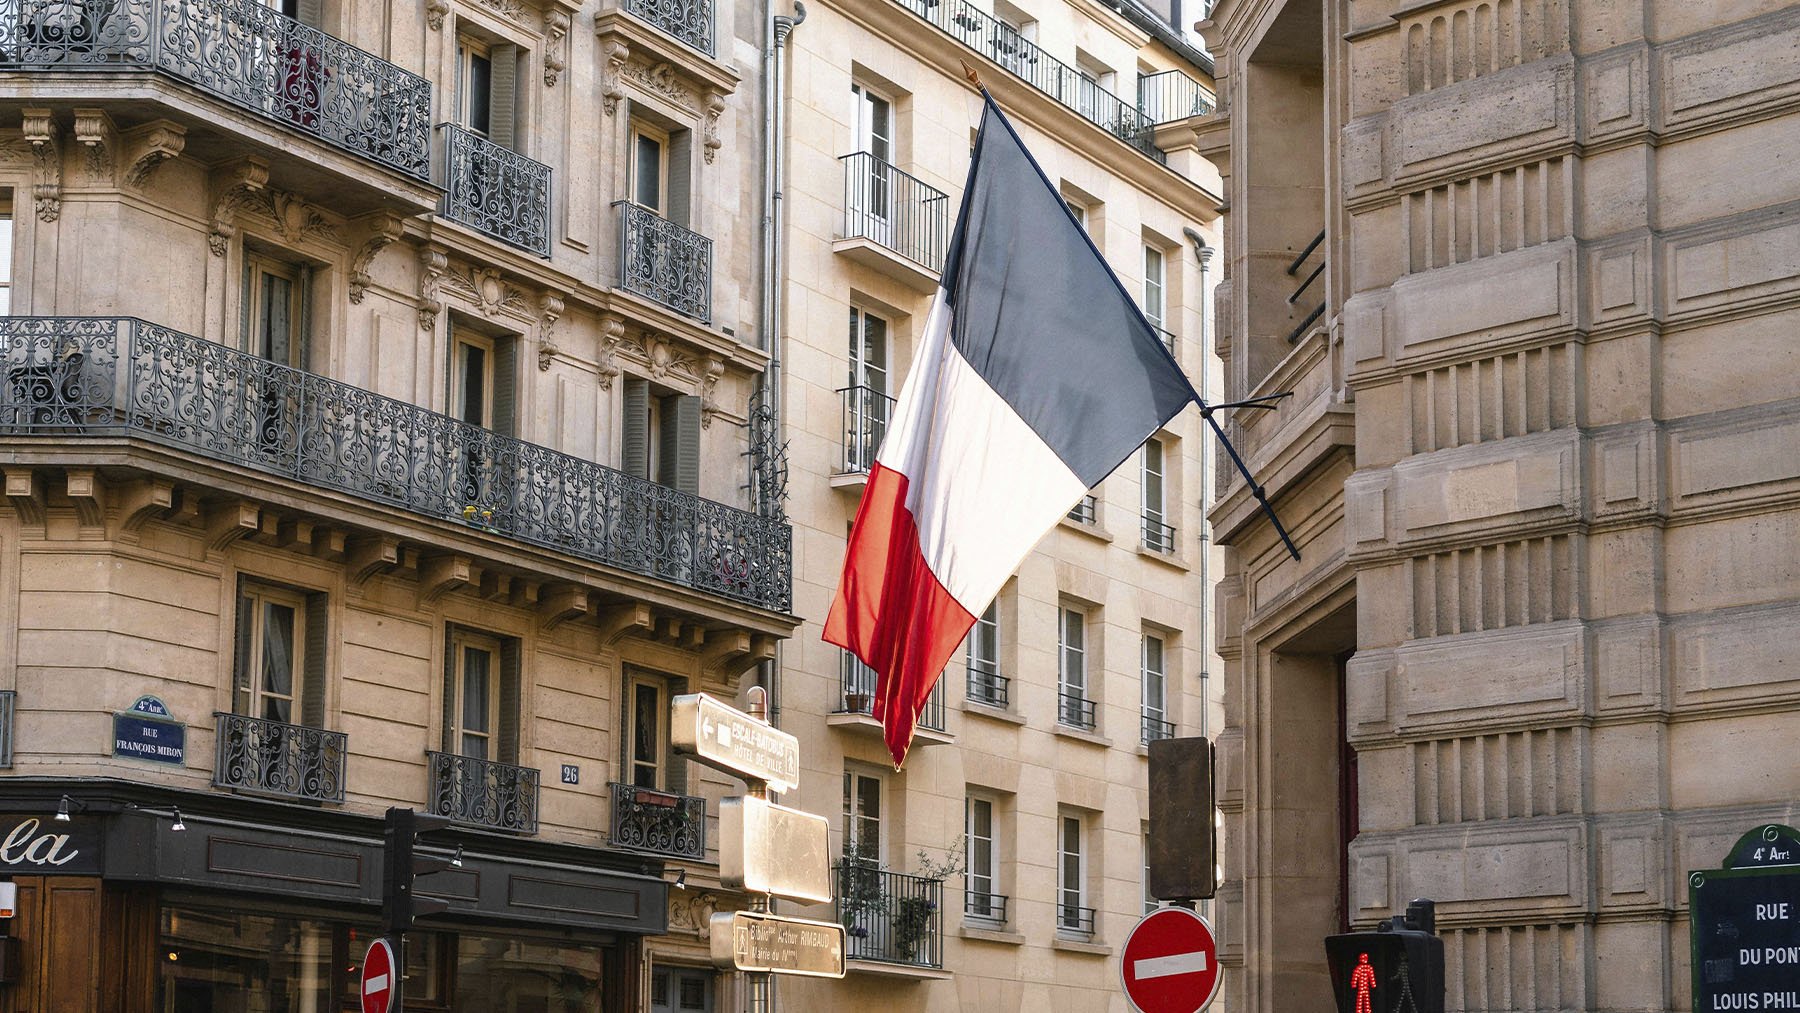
(272, 654)
(866, 415)
(871, 188)
(474, 695)
(278, 683)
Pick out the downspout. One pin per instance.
(1204, 253)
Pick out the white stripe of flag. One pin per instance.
(1174, 963)
(378, 983)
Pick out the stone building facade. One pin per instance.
(1530, 270)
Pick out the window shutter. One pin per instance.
(240, 678)
(303, 326)
(310, 12)
(506, 377)
(450, 690)
(510, 679)
(503, 95)
(676, 766)
(685, 473)
(312, 703)
(681, 174)
(248, 342)
(634, 437)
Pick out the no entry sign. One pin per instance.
(378, 978)
(1170, 963)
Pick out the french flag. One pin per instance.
(1035, 377)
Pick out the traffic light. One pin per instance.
(400, 867)
(1395, 969)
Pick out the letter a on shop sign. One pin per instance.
(1035, 377)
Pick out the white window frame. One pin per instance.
(468, 50)
(461, 643)
(259, 267)
(659, 763)
(7, 233)
(855, 778)
(1156, 292)
(1150, 902)
(462, 341)
(258, 597)
(972, 801)
(1157, 707)
(1071, 652)
(1071, 866)
(1153, 493)
(640, 129)
(983, 652)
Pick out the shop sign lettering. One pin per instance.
(31, 845)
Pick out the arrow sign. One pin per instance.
(378, 978)
(1170, 963)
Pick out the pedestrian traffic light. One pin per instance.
(1399, 968)
(400, 867)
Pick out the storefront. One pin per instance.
(231, 905)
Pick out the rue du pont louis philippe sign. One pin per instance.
(1745, 924)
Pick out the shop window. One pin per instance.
(661, 436)
(280, 645)
(512, 973)
(228, 959)
(481, 695)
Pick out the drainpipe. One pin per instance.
(1204, 254)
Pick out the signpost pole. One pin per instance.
(758, 981)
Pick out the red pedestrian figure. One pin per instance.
(1363, 979)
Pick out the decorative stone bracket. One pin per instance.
(95, 131)
(41, 132)
(551, 309)
(239, 185)
(556, 33)
(434, 261)
(147, 147)
(384, 229)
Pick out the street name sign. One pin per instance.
(1170, 963)
(1745, 925)
(748, 941)
(727, 739)
(769, 848)
(378, 978)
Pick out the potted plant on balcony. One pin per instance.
(860, 896)
(912, 919)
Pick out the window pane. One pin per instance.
(476, 675)
(224, 959)
(480, 85)
(278, 662)
(508, 973)
(472, 384)
(275, 329)
(646, 751)
(649, 172)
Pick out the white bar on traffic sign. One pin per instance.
(376, 984)
(1174, 963)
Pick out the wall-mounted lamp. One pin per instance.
(64, 804)
(178, 825)
(456, 859)
(680, 879)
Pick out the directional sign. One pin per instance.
(1170, 963)
(727, 739)
(378, 978)
(748, 941)
(768, 848)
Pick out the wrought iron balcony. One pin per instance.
(111, 376)
(1073, 919)
(866, 415)
(986, 908)
(987, 685)
(1002, 43)
(857, 681)
(1156, 728)
(1172, 95)
(1158, 537)
(495, 190)
(484, 793)
(897, 210)
(664, 262)
(690, 21)
(658, 822)
(890, 917)
(1075, 710)
(264, 757)
(1086, 511)
(244, 53)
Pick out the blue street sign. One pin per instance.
(149, 732)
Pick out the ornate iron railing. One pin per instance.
(266, 757)
(890, 916)
(658, 822)
(857, 682)
(1087, 510)
(1158, 537)
(660, 260)
(895, 209)
(690, 21)
(989, 908)
(999, 41)
(1075, 710)
(1074, 919)
(484, 793)
(1156, 728)
(987, 685)
(1172, 95)
(866, 415)
(244, 53)
(9, 700)
(495, 190)
(119, 376)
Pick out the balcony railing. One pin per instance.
(73, 376)
(866, 415)
(1156, 728)
(1073, 919)
(1172, 95)
(1075, 710)
(1158, 537)
(240, 51)
(1304, 283)
(658, 822)
(484, 793)
(1167, 336)
(987, 685)
(899, 211)
(890, 916)
(664, 262)
(1087, 510)
(987, 908)
(1002, 43)
(690, 21)
(857, 682)
(265, 757)
(495, 190)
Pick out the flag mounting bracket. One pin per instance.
(1266, 401)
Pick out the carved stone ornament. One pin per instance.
(434, 261)
(709, 388)
(511, 10)
(556, 29)
(612, 335)
(148, 147)
(239, 188)
(487, 289)
(612, 84)
(435, 11)
(660, 79)
(550, 310)
(691, 911)
(40, 131)
(94, 130)
(384, 229)
(710, 139)
(663, 357)
(295, 219)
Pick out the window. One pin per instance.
(1079, 212)
(649, 166)
(487, 88)
(862, 817)
(1155, 296)
(6, 251)
(1159, 536)
(273, 648)
(871, 123)
(649, 761)
(1150, 901)
(481, 695)
(981, 881)
(680, 990)
(1156, 704)
(660, 176)
(1013, 39)
(1087, 511)
(274, 310)
(1072, 911)
(986, 684)
(661, 436)
(866, 411)
(472, 380)
(1074, 708)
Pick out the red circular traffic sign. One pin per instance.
(1170, 963)
(378, 978)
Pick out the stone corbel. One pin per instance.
(27, 499)
(40, 131)
(709, 386)
(369, 557)
(434, 260)
(149, 146)
(556, 30)
(231, 521)
(384, 229)
(440, 575)
(709, 132)
(682, 634)
(238, 187)
(495, 586)
(294, 534)
(142, 499)
(95, 131)
(551, 309)
(435, 11)
(561, 603)
(617, 622)
(329, 544)
(612, 335)
(88, 495)
(612, 81)
(731, 653)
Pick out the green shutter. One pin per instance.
(312, 702)
(511, 678)
(303, 326)
(676, 780)
(634, 436)
(244, 339)
(685, 473)
(504, 95)
(448, 737)
(679, 200)
(240, 670)
(506, 384)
